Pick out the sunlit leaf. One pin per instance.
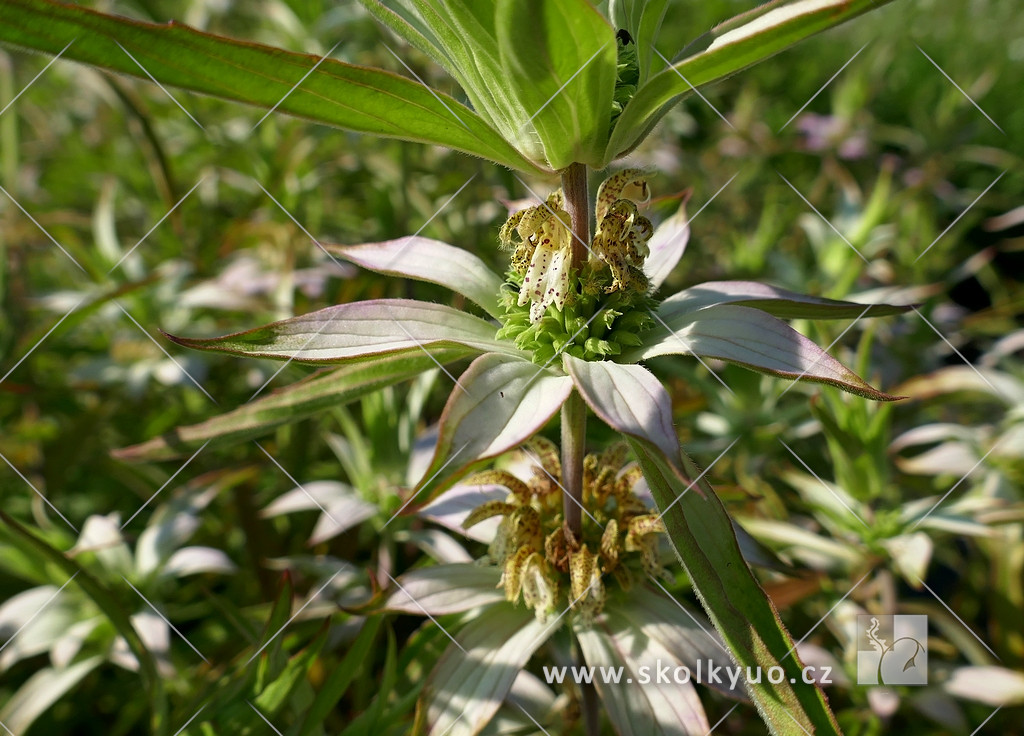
(429, 260)
(108, 603)
(755, 340)
(292, 403)
(730, 47)
(353, 97)
(44, 688)
(628, 398)
(452, 507)
(471, 679)
(991, 685)
(355, 332)
(778, 302)
(341, 508)
(639, 705)
(434, 591)
(498, 404)
(701, 532)
(686, 634)
(559, 61)
(667, 245)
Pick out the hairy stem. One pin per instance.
(574, 411)
(574, 430)
(577, 204)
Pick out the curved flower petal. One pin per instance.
(472, 679)
(499, 403)
(775, 301)
(667, 245)
(430, 260)
(352, 332)
(755, 340)
(627, 398)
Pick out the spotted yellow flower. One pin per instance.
(545, 566)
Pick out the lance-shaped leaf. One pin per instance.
(642, 19)
(45, 687)
(359, 331)
(429, 260)
(292, 403)
(498, 404)
(627, 398)
(442, 589)
(460, 36)
(358, 98)
(559, 61)
(452, 507)
(111, 607)
(639, 704)
(701, 532)
(471, 679)
(775, 301)
(730, 47)
(340, 506)
(667, 245)
(755, 340)
(686, 635)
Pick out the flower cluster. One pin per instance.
(598, 311)
(541, 559)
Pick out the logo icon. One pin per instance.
(892, 650)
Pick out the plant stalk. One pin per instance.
(574, 430)
(574, 411)
(577, 204)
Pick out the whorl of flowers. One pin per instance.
(597, 312)
(542, 562)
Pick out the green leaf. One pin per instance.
(466, 688)
(460, 36)
(313, 394)
(754, 340)
(559, 61)
(634, 706)
(667, 245)
(358, 98)
(360, 332)
(628, 398)
(642, 18)
(441, 589)
(730, 47)
(107, 602)
(775, 301)
(701, 532)
(688, 637)
(429, 260)
(44, 688)
(340, 677)
(276, 695)
(498, 404)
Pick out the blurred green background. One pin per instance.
(922, 180)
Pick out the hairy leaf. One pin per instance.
(358, 98)
(730, 47)
(360, 331)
